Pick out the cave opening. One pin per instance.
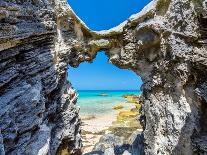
(164, 44)
(108, 100)
(109, 97)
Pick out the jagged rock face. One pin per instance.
(37, 104)
(165, 44)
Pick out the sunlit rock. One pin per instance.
(165, 44)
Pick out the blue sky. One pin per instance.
(101, 15)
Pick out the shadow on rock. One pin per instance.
(110, 144)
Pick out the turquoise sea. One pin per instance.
(91, 103)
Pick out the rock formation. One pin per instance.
(165, 44)
(37, 104)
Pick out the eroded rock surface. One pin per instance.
(37, 104)
(165, 44)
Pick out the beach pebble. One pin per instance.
(126, 153)
(109, 151)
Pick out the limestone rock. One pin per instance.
(109, 144)
(37, 110)
(165, 44)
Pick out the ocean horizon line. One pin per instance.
(108, 90)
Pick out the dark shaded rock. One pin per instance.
(110, 144)
(113, 145)
(103, 94)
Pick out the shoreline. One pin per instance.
(118, 120)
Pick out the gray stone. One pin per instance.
(108, 142)
(165, 44)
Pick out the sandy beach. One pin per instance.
(94, 128)
(113, 113)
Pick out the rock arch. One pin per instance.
(165, 44)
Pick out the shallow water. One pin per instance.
(91, 103)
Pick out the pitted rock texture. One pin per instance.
(165, 44)
(37, 105)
